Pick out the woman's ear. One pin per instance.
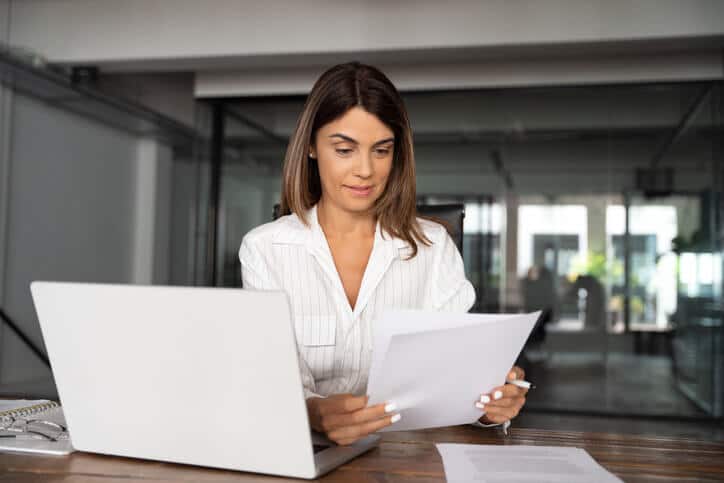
(312, 152)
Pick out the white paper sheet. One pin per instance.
(505, 464)
(435, 365)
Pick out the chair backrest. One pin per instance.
(450, 216)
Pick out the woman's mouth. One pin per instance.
(360, 190)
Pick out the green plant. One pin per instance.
(637, 305)
(596, 265)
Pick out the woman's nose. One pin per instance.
(365, 167)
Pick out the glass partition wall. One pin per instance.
(599, 205)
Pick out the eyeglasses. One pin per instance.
(39, 428)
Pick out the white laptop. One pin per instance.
(202, 376)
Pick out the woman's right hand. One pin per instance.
(345, 418)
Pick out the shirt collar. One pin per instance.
(384, 251)
(297, 232)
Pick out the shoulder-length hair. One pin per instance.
(338, 90)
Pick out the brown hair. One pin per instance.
(338, 90)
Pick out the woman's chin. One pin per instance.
(357, 205)
(354, 204)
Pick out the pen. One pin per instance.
(523, 384)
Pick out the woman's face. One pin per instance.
(354, 154)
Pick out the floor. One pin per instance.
(619, 384)
(698, 430)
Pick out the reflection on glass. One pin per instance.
(551, 236)
(653, 229)
(483, 224)
(630, 277)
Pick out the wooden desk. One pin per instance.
(402, 457)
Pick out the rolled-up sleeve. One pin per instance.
(452, 291)
(256, 274)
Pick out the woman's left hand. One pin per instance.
(503, 403)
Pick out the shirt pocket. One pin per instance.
(317, 337)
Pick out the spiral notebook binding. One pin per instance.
(28, 410)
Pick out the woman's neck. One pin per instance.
(338, 223)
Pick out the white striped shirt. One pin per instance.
(334, 341)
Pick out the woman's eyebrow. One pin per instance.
(351, 140)
(384, 141)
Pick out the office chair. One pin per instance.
(450, 216)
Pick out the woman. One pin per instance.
(351, 246)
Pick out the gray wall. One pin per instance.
(183, 208)
(84, 202)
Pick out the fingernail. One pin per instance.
(390, 407)
(485, 399)
(513, 376)
(479, 405)
(497, 395)
(395, 418)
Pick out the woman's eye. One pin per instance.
(344, 151)
(383, 152)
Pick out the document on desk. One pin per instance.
(435, 365)
(504, 464)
